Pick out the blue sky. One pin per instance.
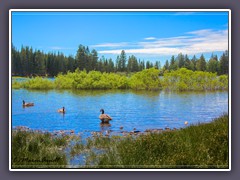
(147, 35)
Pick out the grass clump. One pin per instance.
(38, 150)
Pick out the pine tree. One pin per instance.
(173, 65)
(157, 65)
(166, 66)
(212, 65)
(223, 63)
(181, 60)
(193, 63)
(94, 60)
(81, 58)
(187, 63)
(122, 61)
(201, 64)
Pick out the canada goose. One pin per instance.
(27, 104)
(62, 110)
(104, 117)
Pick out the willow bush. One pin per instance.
(148, 79)
(187, 80)
(37, 83)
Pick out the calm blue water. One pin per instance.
(141, 110)
(21, 79)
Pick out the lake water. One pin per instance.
(141, 110)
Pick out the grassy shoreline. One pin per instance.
(196, 146)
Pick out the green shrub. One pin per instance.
(38, 83)
(16, 85)
(187, 80)
(147, 79)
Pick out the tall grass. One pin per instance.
(201, 146)
(38, 150)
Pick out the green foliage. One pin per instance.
(16, 85)
(64, 81)
(37, 83)
(224, 63)
(213, 65)
(223, 82)
(147, 79)
(201, 64)
(38, 150)
(187, 80)
(91, 80)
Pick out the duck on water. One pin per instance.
(62, 110)
(105, 118)
(27, 104)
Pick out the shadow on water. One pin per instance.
(96, 92)
(145, 93)
(99, 92)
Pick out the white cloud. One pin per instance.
(149, 38)
(195, 42)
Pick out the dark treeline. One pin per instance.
(29, 62)
(214, 65)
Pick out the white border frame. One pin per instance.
(119, 10)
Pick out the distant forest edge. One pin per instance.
(29, 62)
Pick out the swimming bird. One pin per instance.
(186, 123)
(62, 110)
(105, 118)
(27, 104)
